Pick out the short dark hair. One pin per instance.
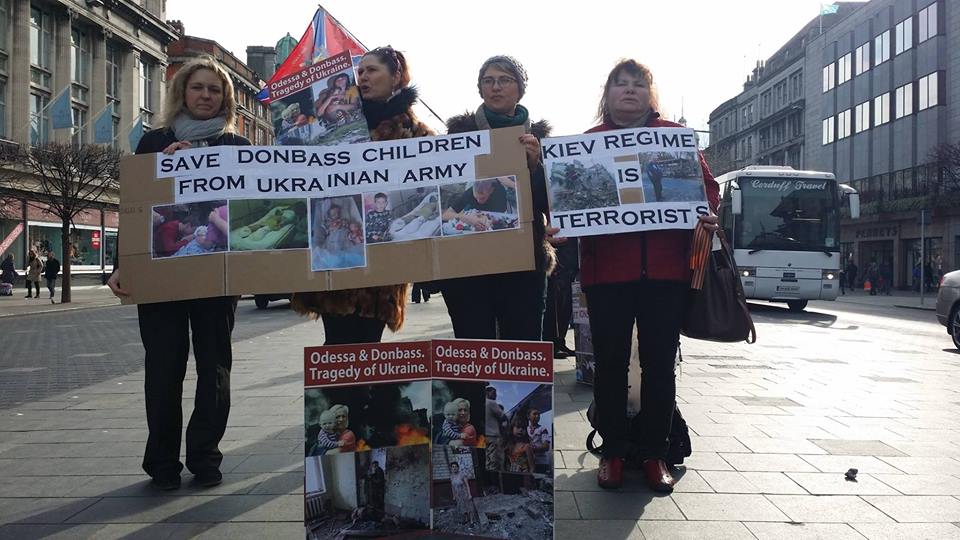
(380, 195)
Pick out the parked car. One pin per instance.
(948, 305)
(262, 300)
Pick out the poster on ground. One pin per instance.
(625, 180)
(454, 436)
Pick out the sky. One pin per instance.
(700, 51)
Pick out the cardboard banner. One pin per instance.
(219, 221)
(625, 180)
(393, 440)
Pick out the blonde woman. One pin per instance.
(199, 111)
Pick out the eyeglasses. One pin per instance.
(503, 82)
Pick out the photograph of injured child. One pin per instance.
(402, 215)
(458, 413)
(484, 205)
(261, 224)
(337, 240)
(180, 230)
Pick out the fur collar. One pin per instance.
(467, 122)
(376, 112)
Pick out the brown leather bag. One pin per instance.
(716, 306)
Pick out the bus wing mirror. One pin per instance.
(854, 205)
(736, 202)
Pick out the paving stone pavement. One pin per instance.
(774, 426)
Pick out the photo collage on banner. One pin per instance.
(449, 435)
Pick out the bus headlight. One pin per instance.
(747, 271)
(829, 274)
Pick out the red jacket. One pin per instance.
(662, 254)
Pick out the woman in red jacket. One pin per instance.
(639, 279)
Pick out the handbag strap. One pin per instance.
(741, 297)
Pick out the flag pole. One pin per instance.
(422, 102)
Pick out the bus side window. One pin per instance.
(726, 212)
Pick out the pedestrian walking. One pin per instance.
(199, 110)
(852, 274)
(8, 271)
(641, 280)
(510, 305)
(34, 269)
(360, 315)
(873, 276)
(51, 269)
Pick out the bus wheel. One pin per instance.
(796, 305)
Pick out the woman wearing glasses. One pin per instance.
(505, 306)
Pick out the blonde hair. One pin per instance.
(636, 69)
(173, 103)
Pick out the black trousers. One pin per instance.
(346, 329)
(418, 291)
(656, 308)
(500, 306)
(165, 329)
(30, 285)
(556, 319)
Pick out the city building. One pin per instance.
(764, 124)
(101, 53)
(882, 95)
(253, 117)
(262, 60)
(879, 94)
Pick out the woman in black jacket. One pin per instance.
(199, 110)
(511, 305)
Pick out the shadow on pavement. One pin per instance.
(783, 314)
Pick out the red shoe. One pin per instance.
(658, 476)
(610, 473)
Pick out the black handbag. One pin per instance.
(716, 306)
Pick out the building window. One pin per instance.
(928, 23)
(796, 85)
(904, 35)
(904, 101)
(41, 44)
(114, 61)
(881, 109)
(4, 25)
(862, 57)
(39, 119)
(766, 102)
(927, 91)
(80, 60)
(881, 48)
(3, 107)
(828, 130)
(828, 78)
(844, 68)
(862, 117)
(79, 126)
(843, 124)
(146, 91)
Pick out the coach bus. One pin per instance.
(784, 227)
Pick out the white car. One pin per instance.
(948, 305)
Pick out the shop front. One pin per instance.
(93, 236)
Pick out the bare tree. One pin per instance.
(946, 158)
(719, 159)
(63, 180)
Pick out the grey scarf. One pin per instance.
(198, 131)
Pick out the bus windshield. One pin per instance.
(789, 215)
